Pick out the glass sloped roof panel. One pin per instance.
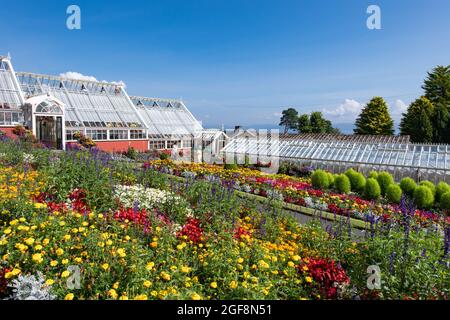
(9, 93)
(382, 154)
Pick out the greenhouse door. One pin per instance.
(49, 131)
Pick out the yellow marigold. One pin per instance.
(263, 265)
(196, 296)
(213, 285)
(154, 244)
(121, 253)
(165, 276)
(147, 284)
(65, 274)
(69, 296)
(185, 269)
(7, 231)
(150, 266)
(59, 252)
(65, 261)
(291, 264)
(29, 241)
(37, 257)
(233, 284)
(308, 279)
(67, 237)
(49, 282)
(112, 293)
(141, 297)
(105, 266)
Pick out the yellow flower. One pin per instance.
(240, 260)
(49, 282)
(121, 253)
(45, 241)
(65, 261)
(69, 296)
(37, 257)
(147, 284)
(308, 279)
(65, 274)
(67, 237)
(154, 244)
(150, 266)
(165, 276)
(112, 293)
(38, 247)
(105, 266)
(141, 297)
(291, 264)
(29, 241)
(196, 296)
(116, 285)
(7, 231)
(60, 252)
(185, 269)
(78, 259)
(233, 284)
(263, 265)
(296, 258)
(214, 285)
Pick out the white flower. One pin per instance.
(29, 287)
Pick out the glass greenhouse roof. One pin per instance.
(87, 103)
(9, 93)
(166, 118)
(363, 153)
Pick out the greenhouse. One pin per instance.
(55, 108)
(337, 153)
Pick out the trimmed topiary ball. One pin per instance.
(372, 189)
(408, 186)
(445, 201)
(441, 189)
(342, 184)
(373, 175)
(357, 180)
(394, 193)
(384, 179)
(423, 197)
(430, 185)
(330, 179)
(319, 180)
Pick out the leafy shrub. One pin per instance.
(163, 156)
(342, 183)
(319, 179)
(394, 193)
(441, 189)
(230, 166)
(445, 201)
(357, 180)
(330, 179)
(408, 186)
(131, 153)
(423, 197)
(384, 179)
(372, 189)
(373, 175)
(429, 185)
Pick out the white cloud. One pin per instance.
(398, 108)
(277, 114)
(348, 110)
(77, 76)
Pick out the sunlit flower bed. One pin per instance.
(80, 225)
(294, 190)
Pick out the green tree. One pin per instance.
(304, 126)
(317, 121)
(375, 119)
(289, 119)
(437, 85)
(416, 121)
(440, 123)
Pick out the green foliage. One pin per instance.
(423, 197)
(394, 193)
(384, 179)
(131, 153)
(445, 201)
(342, 183)
(373, 174)
(230, 166)
(289, 119)
(416, 122)
(408, 186)
(331, 179)
(315, 123)
(319, 180)
(304, 125)
(164, 156)
(357, 180)
(437, 85)
(441, 189)
(375, 119)
(372, 189)
(429, 185)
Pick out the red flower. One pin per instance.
(3, 281)
(192, 230)
(239, 232)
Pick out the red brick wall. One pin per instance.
(119, 146)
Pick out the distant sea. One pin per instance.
(346, 128)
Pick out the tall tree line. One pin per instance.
(306, 123)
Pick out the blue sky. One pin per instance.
(239, 62)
